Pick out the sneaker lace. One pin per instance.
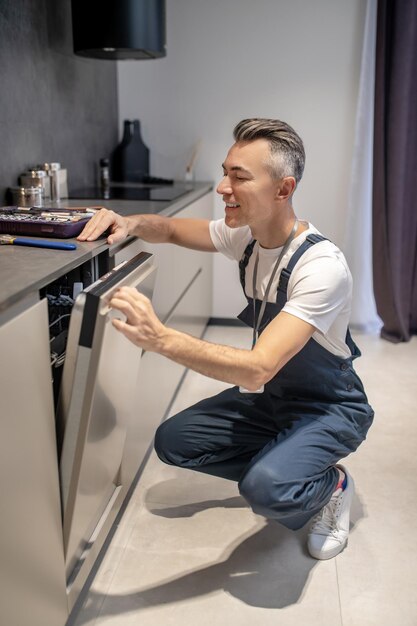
(325, 522)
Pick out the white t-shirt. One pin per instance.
(319, 289)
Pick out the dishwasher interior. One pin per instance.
(61, 295)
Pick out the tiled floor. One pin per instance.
(189, 551)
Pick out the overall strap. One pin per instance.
(286, 271)
(244, 262)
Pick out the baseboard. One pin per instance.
(225, 321)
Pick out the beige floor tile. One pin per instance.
(190, 551)
(260, 572)
(377, 573)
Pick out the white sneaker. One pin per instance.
(329, 530)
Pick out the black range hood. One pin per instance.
(119, 29)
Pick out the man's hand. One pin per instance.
(102, 221)
(142, 327)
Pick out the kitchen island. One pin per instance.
(47, 554)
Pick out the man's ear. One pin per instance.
(286, 188)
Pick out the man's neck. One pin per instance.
(275, 235)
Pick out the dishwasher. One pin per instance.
(94, 372)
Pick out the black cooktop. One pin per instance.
(138, 192)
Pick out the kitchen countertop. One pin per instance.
(25, 270)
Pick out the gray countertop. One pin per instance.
(25, 270)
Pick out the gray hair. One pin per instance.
(286, 147)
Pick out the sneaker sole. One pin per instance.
(329, 554)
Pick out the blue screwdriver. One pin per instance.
(36, 243)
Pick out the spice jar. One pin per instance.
(27, 196)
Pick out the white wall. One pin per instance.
(228, 59)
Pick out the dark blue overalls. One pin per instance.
(281, 445)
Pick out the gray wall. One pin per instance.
(296, 60)
(54, 106)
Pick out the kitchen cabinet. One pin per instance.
(70, 457)
(182, 300)
(32, 573)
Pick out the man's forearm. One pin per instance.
(225, 363)
(280, 341)
(151, 228)
(188, 232)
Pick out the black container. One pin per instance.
(119, 29)
(129, 162)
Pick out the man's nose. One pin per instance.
(224, 186)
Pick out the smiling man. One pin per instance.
(296, 405)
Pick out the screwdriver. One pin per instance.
(36, 243)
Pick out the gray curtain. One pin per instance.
(395, 169)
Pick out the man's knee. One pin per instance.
(256, 487)
(291, 501)
(164, 443)
(271, 494)
(173, 442)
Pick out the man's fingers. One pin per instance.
(131, 303)
(141, 326)
(128, 331)
(99, 223)
(120, 325)
(95, 226)
(125, 307)
(131, 295)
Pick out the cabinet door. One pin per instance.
(182, 300)
(176, 266)
(32, 573)
(159, 377)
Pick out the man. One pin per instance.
(296, 406)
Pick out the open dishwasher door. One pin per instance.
(94, 409)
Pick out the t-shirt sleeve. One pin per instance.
(321, 289)
(229, 241)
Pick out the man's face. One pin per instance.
(247, 187)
